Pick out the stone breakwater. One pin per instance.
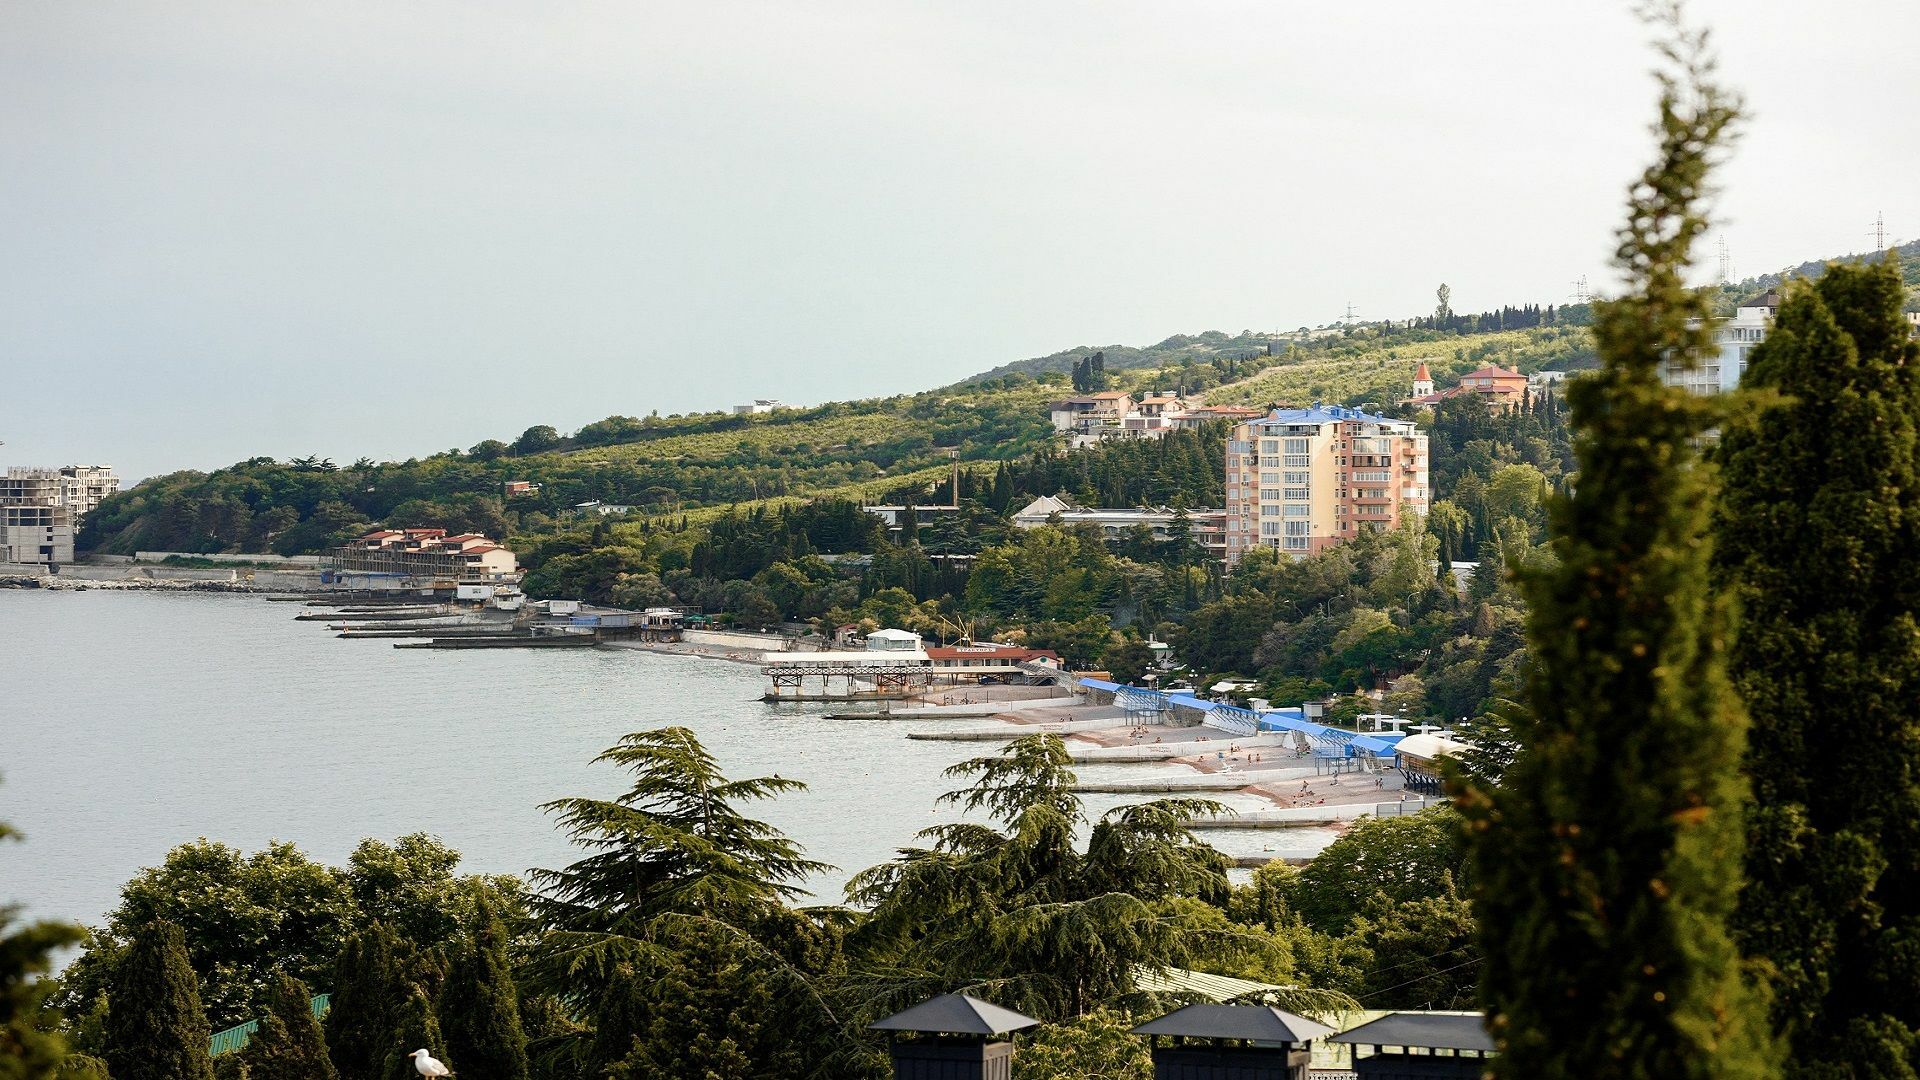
(61, 584)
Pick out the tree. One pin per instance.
(1443, 311)
(155, 1027)
(289, 1044)
(480, 1009)
(248, 916)
(671, 865)
(367, 989)
(1397, 858)
(1819, 537)
(1098, 1046)
(1057, 932)
(1605, 866)
(415, 1028)
(537, 439)
(30, 1049)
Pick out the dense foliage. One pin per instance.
(279, 911)
(1819, 537)
(30, 1045)
(155, 1028)
(1606, 863)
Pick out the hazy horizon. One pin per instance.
(388, 230)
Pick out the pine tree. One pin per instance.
(1819, 536)
(368, 985)
(156, 1029)
(415, 1028)
(673, 857)
(289, 1044)
(480, 1010)
(1606, 866)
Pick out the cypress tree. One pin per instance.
(155, 1027)
(1606, 865)
(415, 1028)
(289, 1044)
(480, 1010)
(367, 990)
(1819, 538)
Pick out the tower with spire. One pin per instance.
(1422, 381)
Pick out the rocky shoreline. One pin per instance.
(56, 583)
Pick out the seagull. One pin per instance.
(428, 1065)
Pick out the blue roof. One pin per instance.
(1320, 414)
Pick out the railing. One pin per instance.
(1232, 718)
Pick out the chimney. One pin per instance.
(955, 1037)
(1241, 1042)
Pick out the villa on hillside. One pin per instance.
(1500, 388)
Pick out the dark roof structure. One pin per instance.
(1258, 1023)
(955, 1014)
(1435, 1031)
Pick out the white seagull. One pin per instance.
(428, 1064)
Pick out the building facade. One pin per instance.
(1733, 342)
(1303, 480)
(40, 510)
(1500, 388)
(427, 554)
(1209, 527)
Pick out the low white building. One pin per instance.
(758, 406)
(1209, 527)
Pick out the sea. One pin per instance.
(133, 721)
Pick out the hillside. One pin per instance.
(1376, 367)
(697, 465)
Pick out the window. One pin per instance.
(1274, 511)
(1296, 543)
(1270, 494)
(1296, 461)
(1268, 446)
(1297, 446)
(1298, 494)
(1298, 477)
(1274, 478)
(1299, 528)
(1367, 476)
(1269, 528)
(1297, 511)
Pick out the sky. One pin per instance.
(241, 229)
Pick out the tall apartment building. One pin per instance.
(1302, 480)
(1734, 341)
(40, 510)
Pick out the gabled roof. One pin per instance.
(1110, 394)
(1261, 1023)
(1492, 371)
(955, 1014)
(1420, 374)
(1438, 1031)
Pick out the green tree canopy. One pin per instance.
(1605, 866)
(1819, 537)
(156, 1029)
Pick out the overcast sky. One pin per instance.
(386, 229)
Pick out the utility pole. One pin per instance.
(1581, 294)
(1880, 231)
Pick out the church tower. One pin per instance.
(1422, 381)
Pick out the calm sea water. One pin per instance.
(135, 721)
